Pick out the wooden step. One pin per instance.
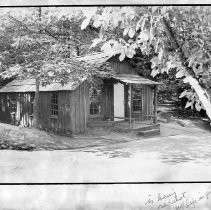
(148, 127)
(100, 124)
(153, 132)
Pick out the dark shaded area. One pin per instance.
(11, 145)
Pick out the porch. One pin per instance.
(127, 103)
(144, 128)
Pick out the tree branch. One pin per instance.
(38, 31)
(177, 47)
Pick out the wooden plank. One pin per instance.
(108, 100)
(130, 106)
(66, 112)
(145, 101)
(82, 113)
(27, 110)
(18, 109)
(72, 110)
(80, 109)
(84, 102)
(77, 106)
(126, 100)
(155, 104)
(42, 109)
(60, 120)
(76, 110)
(87, 101)
(69, 117)
(148, 100)
(48, 109)
(80, 105)
(82, 95)
(123, 67)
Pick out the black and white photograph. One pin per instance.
(105, 106)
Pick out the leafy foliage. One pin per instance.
(43, 43)
(178, 38)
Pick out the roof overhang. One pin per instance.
(28, 85)
(134, 79)
(94, 58)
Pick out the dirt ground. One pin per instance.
(41, 140)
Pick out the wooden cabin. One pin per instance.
(123, 98)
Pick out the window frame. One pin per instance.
(54, 101)
(95, 105)
(137, 88)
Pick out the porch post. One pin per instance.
(155, 103)
(130, 105)
(85, 86)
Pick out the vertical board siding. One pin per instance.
(148, 100)
(21, 110)
(71, 104)
(77, 108)
(126, 100)
(123, 67)
(108, 99)
(4, 112)
(147, 103)
(87, 100)
(79, 102)
(72, 110)
(42, 110)
(64, 115)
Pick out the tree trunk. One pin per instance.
(190, 77)
(36, 121)
(202, 94)
(36, 105)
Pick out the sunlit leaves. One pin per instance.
(85, 23)
(95, 42)
(180, 73)
(131, 33)
(193, 100)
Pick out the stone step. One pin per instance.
(153, 132)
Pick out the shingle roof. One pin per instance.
(100, 58)
(28, 85)
(95, 58)
(134, 79)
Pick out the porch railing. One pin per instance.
(109, 120)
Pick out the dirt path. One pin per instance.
(41, 140)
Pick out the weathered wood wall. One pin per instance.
(16, 108)
(108, 99)
(73, 110)
(72, 116)
(147, 103)
(123, 67)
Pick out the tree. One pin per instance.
(177, 37)
(39, 48)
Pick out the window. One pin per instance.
(137, 99)
(95, 102)
(54, 104)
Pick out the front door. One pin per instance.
(119, 107)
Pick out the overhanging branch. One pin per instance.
(177, 47)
